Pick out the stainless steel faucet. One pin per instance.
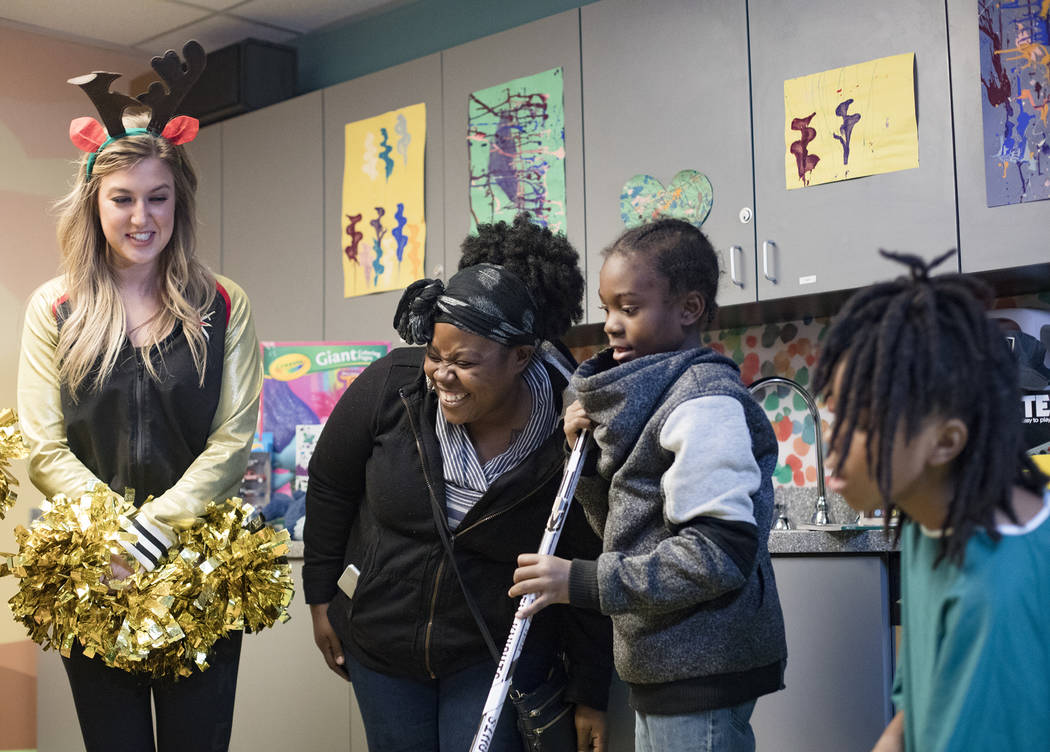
(820, 512)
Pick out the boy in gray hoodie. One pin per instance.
(683, 500)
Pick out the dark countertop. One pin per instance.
(839, 537)
(830, 541)
(800, 504)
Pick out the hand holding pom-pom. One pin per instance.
(224, 573)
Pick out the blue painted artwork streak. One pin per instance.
(385, 154)
(398, 232)
(846, 129)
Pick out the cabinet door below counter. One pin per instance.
(839, 669)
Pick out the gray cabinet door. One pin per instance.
(522, 51)
(369, 317)
(989, 237)
(826, 237)
(839, 669)
(272, 198)
(666, 89)
(206, 154)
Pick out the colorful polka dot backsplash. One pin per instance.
(790, 349)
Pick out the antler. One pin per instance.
(110, 104)
(179, 77)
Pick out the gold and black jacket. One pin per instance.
(182, 442)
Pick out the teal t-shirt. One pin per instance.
(973, 671)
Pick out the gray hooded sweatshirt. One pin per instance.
(683, 500)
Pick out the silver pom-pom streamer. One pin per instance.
(223, 574)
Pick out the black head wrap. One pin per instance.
(484, 299)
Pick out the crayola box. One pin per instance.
(302, 381)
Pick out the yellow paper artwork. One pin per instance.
(382, 228)
(851, 122)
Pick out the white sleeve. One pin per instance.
(714, 472)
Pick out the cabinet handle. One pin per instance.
(733, 251)
(766, 245)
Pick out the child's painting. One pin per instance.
(851, 122)
(644, 198)
(383, 227)
(1015, 100)
(516, 150)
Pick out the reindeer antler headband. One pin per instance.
(87, 134)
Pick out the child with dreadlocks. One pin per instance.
(683, 499)
(926, 399)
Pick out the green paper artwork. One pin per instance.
(644, 198)
(516, 148)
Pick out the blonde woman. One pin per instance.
(140, 370)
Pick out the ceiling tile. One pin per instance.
(216, 32)
(307, 16)
(105, 20)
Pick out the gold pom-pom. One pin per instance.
(12, 447)
(224, 573)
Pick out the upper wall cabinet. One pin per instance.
(206, 153)
(666, 90)
(552, 42)
(999, 236)
(826, 237)
(272, 200)
(369, 317)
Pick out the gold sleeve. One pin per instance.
(53, 468)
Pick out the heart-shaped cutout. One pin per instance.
(644, 198)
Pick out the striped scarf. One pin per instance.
(466, 479)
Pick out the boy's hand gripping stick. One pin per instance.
(516, 638)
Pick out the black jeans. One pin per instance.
(194, 713)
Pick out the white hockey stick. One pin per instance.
(516, 638)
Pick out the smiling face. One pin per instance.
(476, 380)
(136, 209)
(642, 316)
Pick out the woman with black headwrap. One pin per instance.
(453, 447)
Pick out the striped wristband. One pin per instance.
(151, 543)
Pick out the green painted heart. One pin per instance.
(688, 197)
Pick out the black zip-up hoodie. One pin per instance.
(368, 503)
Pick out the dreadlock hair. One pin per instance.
(923, 346)
(679, 252)
(546, 262)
